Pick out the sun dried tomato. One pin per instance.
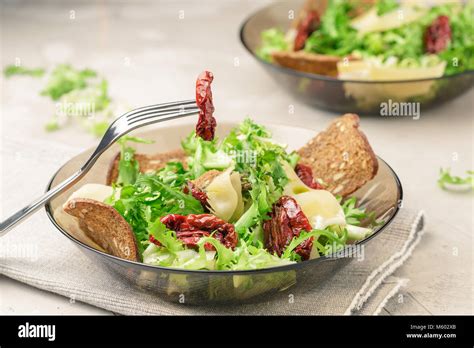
(191, 228)
(189, 238)
(197, 193)
(437, 35)
(206, 125)
(154, 240)
(287, 220)
(305, 28)
(305, 173)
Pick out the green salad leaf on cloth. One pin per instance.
(450, 182)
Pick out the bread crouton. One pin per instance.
(313, 63)
(341, 156)
(105, 226)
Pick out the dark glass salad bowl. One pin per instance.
(381, 195)
(342, 96)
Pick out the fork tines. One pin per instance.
(152, 113)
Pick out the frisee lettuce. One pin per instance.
(385, 6)
(150, 198)
(12, 70)
(447, 181)
(128, 167)
(65, 79)
(145, 198)
(77, 93)
(273, 40)
(403, 45)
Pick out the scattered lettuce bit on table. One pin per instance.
(77, 93)
(64, 79)
(450, 182)
(12, 70)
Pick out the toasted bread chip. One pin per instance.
(341, 156)
(147, 163)
(105, 226)
(204, 180)
(308, 62)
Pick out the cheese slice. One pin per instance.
(372, 70)
(224, 195)
(320, 206)
(237, 184)
(96, 192)
(370, 22)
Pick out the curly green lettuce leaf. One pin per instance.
(386, 6)
(459, 55)
(447, 181)
(258, 158)
(93, 97)
(166, 237)
(335, 36)
(65, 79)
(128, 168)
(149, 199)
(273, 40)
(205, 155)
(174, 175)
(403, 45)
(251, 257)
(225, 256)
(326, 241)
(184, 259)
(354, 215)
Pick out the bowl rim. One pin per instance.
(282, 268)
(319, 77)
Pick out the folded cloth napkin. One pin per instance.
(38, 255)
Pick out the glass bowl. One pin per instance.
(345, 96)
(382, 195)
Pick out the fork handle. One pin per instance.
(22, 214)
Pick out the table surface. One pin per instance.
(152, 51)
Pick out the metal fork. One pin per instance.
(124, 124)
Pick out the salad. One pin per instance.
(375, 40)
(242, 202)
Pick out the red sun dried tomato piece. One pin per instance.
(287, 220)
(305, 28)
(197, 193)
(305, 173)
(154, 240)
(206, 125)
(191, 228)
(437, 35)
